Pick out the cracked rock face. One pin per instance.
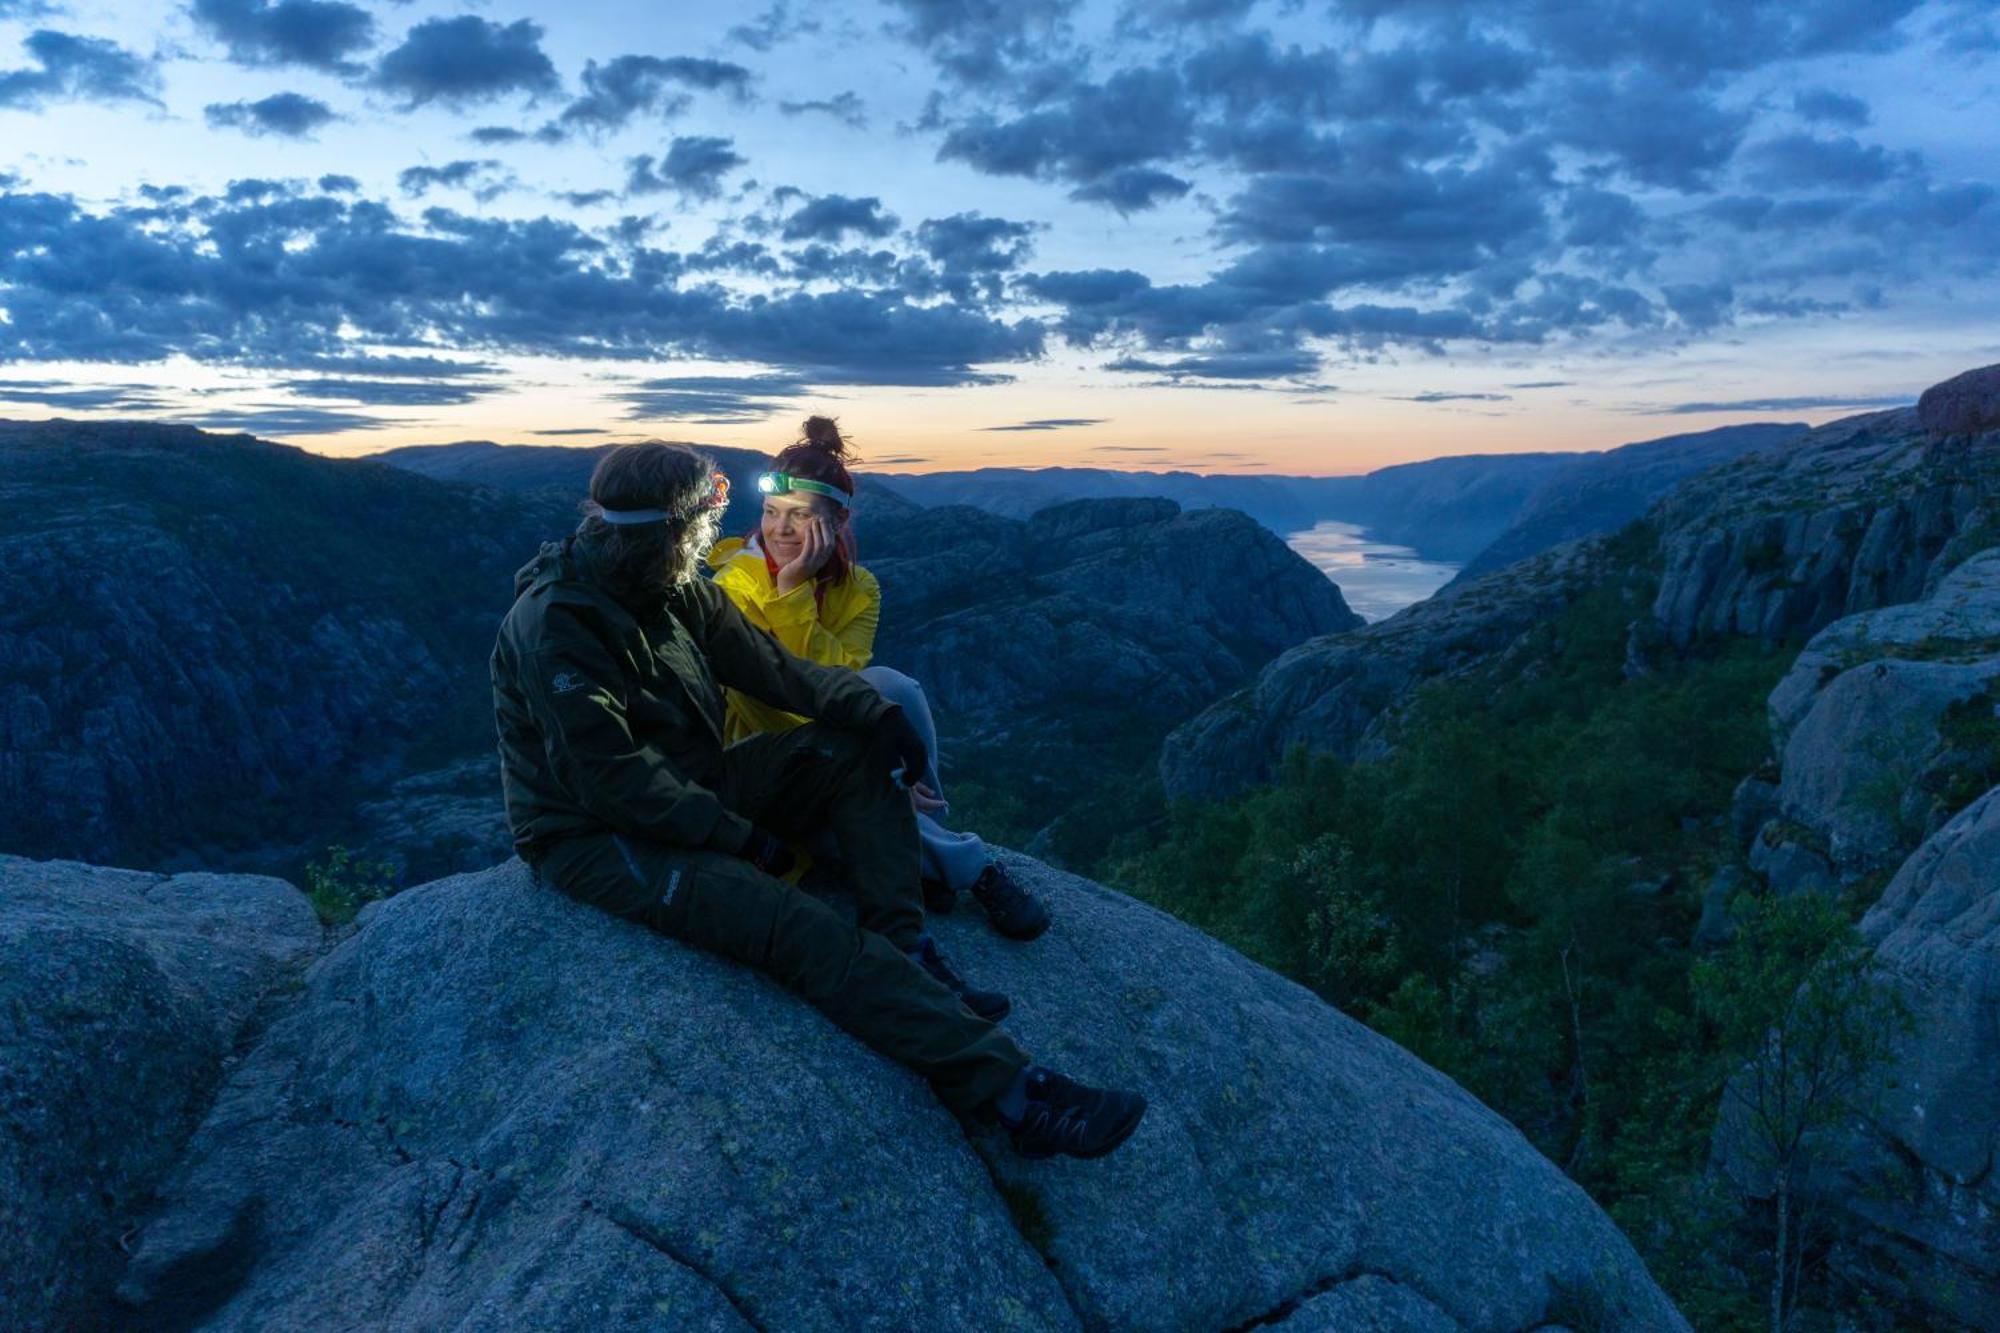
(120, 995)
(496, 1108)
(1872, 721)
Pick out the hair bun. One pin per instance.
(824, 433)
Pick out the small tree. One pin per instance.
(1801, 1016)
(339, 886)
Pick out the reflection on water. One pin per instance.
(1377, 579)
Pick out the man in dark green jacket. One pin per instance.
(621, 793)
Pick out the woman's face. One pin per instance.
(784, 524)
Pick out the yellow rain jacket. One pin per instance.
(841, 634)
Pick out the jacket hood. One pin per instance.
(548, 563)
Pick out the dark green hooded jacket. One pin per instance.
(612, 723)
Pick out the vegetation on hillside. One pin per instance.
(1511, 894)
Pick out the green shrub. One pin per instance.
(339, 886)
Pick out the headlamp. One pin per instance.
(781, 483)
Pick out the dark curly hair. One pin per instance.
(643, 560)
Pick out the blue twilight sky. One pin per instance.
(1314, 237)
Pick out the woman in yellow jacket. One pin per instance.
(796, 578)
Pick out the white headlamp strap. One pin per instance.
(627, 517)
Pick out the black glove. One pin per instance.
(769, 853)
(902, 741)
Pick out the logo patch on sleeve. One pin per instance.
(566, 682)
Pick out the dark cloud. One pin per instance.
(389, 393)
(289, 115)
(711, 400)
(466, 59)
(844, 107)
(571, 430)
(390, 366)
(900, 459)
(485, 178)
(85, 398)
(586, 198)
(1132, 190)
(1830, 107)
(1647, 127)
(1543, 384)
(1050, 423)
(1806, 162)
(72, 68)
(1445, 396)
(628, 86)
(979, 41)
(281, 281)
(832, 216)
(492, 136)
(319, 34)
(281, 420)
(972, 243)
(693, 168)
(1275, 363)
(1807, 404)
(775, 25)
(1133, 119)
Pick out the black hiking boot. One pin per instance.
(1067, 1117)
(1013, 911)
(990, 1005)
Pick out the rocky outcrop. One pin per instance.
(1887, 724)
(1863, 513)
(1967, 404)
(121, 994)
(1109, 606)
(1911, 1186)
(1603, 492)
(208, 639)
(1334, 695)
(496, 1108)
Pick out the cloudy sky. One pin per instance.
(1312, 237)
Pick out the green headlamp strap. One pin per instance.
(778, 483)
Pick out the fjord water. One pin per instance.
(1376, 578)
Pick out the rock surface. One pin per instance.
(1859, 514)
(1967, 404)
(1886, 723)
(120, 995)
(1911, 1188)
(495, 1108)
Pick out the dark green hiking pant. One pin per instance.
(798, 783)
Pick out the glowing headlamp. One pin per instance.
(781, 483)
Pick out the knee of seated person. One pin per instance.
(893, 685)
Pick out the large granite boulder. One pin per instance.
(1886, 725)
(1967, 404)
(121, 994)
(494, 1108)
